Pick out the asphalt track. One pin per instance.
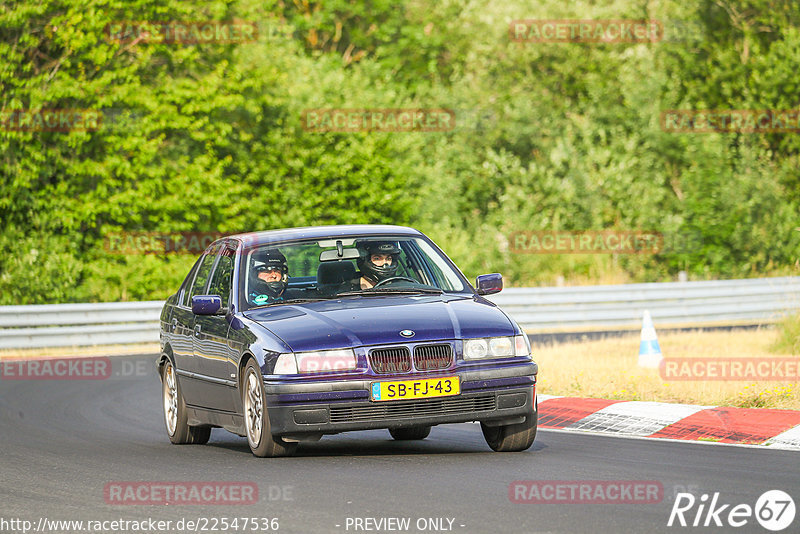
(63, 441)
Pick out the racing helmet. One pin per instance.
(269, 259)
(371, 271)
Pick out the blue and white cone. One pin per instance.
(649, 351)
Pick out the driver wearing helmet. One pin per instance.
(269, 279)
(377, 261)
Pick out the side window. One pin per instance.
(221, 279)
(187, 284)
(201, 279)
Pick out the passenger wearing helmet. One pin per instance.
(377, 261)
(269, 277)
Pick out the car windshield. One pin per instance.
(344, 267)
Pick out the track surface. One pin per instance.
(63, 441)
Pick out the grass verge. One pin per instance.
(788, 338)
(608, 369)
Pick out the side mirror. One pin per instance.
(489, 284)
(206, 304)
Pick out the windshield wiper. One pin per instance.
(383, 291)
(290, 301)
(431, 290)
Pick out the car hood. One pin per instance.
(351, 322)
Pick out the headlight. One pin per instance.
(501, 346)
(315, 362)
(286, 365)
(496, 347)
(475, 349)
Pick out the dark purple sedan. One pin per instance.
(287, 335)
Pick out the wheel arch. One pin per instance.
(166, 355)
(243, 361)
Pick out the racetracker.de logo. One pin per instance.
(51, 120)
(586, 31)
(131, 243)
(379, 120)
(182, 32)
(768, 369)
(181, 493)
(586, 491)
(586, 242)
(730, 121)
(56, 369)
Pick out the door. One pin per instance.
(184, 321)
(216, 366)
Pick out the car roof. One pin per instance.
(322, 232)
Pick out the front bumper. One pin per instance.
(489, 395)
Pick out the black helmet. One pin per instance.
(371, 271)
(270, 259)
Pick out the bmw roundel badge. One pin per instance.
(407, 333)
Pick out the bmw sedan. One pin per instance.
(288, 335)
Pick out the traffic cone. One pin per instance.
(649, 351)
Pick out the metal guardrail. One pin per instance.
(674, 304)
(546, 309)
(67, 325)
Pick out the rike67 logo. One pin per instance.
(774, 510)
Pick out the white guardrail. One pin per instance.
(537, 310)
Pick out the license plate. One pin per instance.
(416, 389)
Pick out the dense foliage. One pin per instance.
(549, 136)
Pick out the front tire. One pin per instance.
(410, 433)
(256, 418)
(513, 438)
(175, 418)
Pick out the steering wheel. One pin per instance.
(393, 278)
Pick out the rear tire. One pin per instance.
(256, 418)
(410, 433)
(175, 418)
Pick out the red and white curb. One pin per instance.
(778, 429)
